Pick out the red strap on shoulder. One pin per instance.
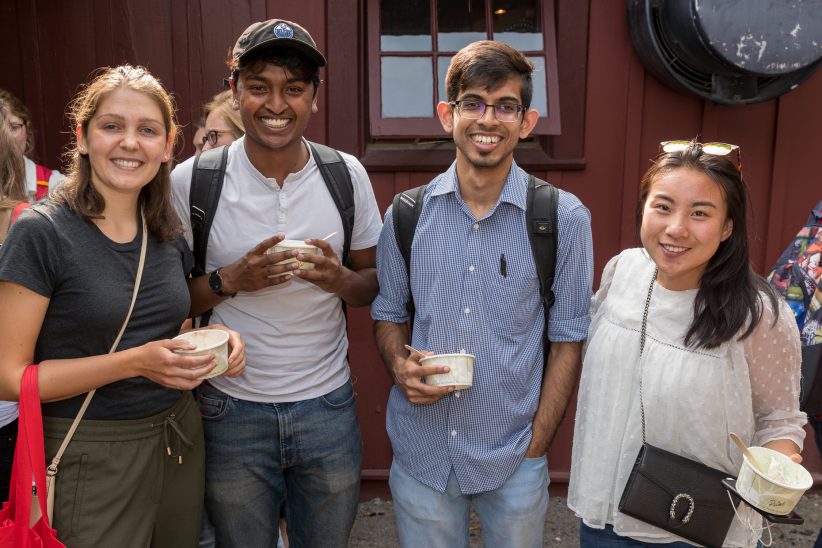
(18, 209)
(43, 174)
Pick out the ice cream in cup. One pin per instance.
(207, 341)
(775, 484)
(461, 375)
(299, 245)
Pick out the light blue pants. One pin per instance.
(512, 515)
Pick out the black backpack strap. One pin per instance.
(405, 212)
(338, 180)
(541, 216)
(206, 185)
(207, 177)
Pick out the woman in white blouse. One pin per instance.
(721, 354)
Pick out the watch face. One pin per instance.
(215, 282)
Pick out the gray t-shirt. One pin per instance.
(89, 280)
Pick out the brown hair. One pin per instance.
(488, 64)
(79, 192)
(223, 104)
(730, 292)
(16, 107)
(12, 170)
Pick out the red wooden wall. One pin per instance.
(614, 115)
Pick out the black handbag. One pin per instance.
(679, 495)
(674, 493)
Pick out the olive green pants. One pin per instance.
(118, 486)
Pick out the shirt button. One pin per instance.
(453, 433)
(462, 351)
(456, 393)
(471, 268)
(476, 226)
(467, 310)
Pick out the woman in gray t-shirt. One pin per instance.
(133, 472)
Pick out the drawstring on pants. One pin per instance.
(170, 422)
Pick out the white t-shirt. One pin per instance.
(295, 334)
(8, 412)
(31, 178)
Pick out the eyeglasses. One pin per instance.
(212, 136)
(714, 149)
(474, 110)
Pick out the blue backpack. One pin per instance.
(797, 276)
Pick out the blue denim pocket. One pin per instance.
(340, 398)
(214, 405)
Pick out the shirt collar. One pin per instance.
(243, 155)
(514, 192)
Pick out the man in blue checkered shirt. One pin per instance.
(476, 290)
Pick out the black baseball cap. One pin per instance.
(277, 32)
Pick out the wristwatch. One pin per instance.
(215, 282)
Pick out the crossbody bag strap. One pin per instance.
(642, 347)
(52, 469)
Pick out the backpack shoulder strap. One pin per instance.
(541, 216)
(338, 180)
(405, 212)
(207, 178)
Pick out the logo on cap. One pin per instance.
(283, 30)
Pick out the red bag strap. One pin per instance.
(18, 209)
(30, 458)
(43, 175)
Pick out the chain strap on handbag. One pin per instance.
(51, 472)
(669, 491)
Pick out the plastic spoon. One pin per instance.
(412, 349)
(329, 235)
(737, 440)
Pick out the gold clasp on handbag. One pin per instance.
(672, 513)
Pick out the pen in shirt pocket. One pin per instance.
(503, 266)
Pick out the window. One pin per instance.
(411, 43)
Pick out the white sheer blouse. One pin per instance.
(692, 397)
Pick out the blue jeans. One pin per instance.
(512, 515)
(307, 454)
(606, 538)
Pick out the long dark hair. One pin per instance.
(730, 292)
(79, 192)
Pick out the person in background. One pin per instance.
(12, 201)
(708, 366)
(67, 272)
(40, 180)
(474, 282)
(199, 134)
(797, 277)
(223, 124)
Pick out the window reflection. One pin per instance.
(459, 23)
(407, 87)
(539, 100)
(413, 62)
(517, 23)
(405, 25)
(442, 69)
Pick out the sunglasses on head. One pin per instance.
(714, 149)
